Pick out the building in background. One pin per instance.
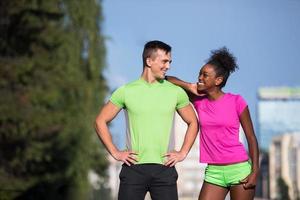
(284, 156)
(278, 113)
(262, 186)
(114, 169)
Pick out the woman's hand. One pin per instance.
(194, 89)
(250, 181)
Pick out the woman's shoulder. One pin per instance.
(234, 96)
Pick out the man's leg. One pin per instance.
(133, 183)
(164, 183)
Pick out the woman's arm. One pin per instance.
(247, 126)
(190, 88)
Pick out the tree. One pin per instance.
(52, 56)
(283, 189)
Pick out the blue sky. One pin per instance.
(264, 35)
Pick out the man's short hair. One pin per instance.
(152, 46)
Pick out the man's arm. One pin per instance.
(106, 115)
(188, 115)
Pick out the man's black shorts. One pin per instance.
(137, 180)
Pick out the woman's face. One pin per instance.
(207, 78)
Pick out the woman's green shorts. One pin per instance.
(227, 175)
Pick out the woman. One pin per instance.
(220, 115)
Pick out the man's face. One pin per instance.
(159, 64)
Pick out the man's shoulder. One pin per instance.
(173, 86)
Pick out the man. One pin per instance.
(149, 104)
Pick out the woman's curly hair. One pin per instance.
(224, 63)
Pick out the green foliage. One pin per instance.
(52, 55)
(283, 189)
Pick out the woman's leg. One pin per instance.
(238, 192)
(211, 191)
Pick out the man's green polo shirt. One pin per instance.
(149, 111)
